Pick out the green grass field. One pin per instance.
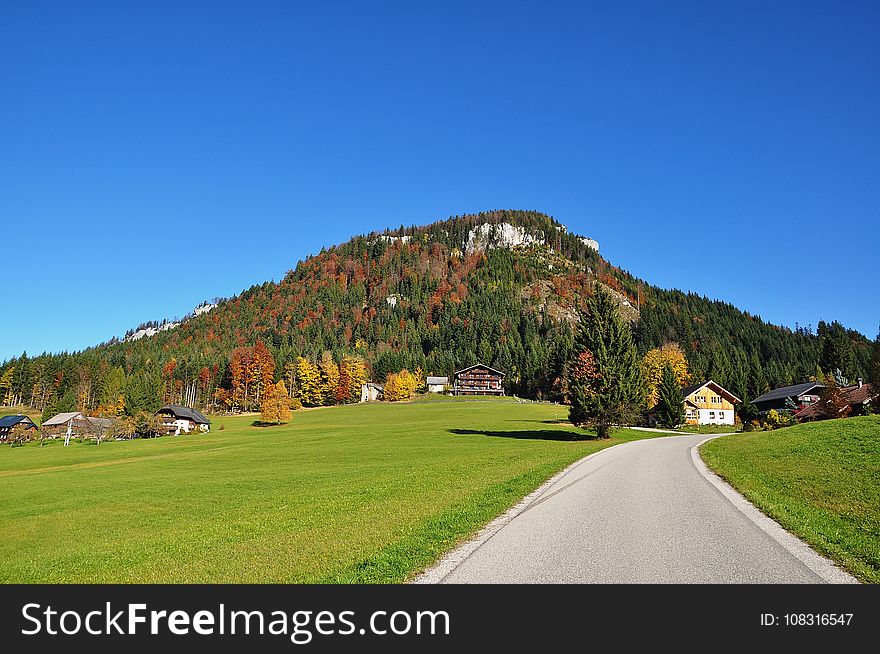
(708, 429)
(365, 493)
(819, 480)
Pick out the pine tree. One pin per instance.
(874, 365)
(670, 403)
(617, 393)
(836, 351)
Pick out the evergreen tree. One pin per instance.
(874, 365)
(615, 394)
(670, 405)
(836, 350)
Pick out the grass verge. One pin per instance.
(821, 481)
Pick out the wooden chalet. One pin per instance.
(706, 403)
(855, 403)
(176, 419)
(796, 397)
(478, 379)
(76, 425)
(18, 427)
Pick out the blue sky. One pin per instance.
(156, 154)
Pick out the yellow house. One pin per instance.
(709, 403)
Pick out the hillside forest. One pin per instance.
(422, 299)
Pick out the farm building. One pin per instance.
(75, 424)
(796, 397)
(15, 427)
(371, 392)
(176, 419)
(478, 379)
(436, 384)
(855, 401)
(707, 403)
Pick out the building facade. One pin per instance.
(16, 427)
(709, 403)
(436, 384)
(176, 419)
(478, 379)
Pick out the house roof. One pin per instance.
(851, 394)
(787, 391)
(11, 421)
(437, 380)
(185, 412)
(718, 388)
(478, 365)
(62, 418)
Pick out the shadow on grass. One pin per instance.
(531, 434)
(543, 422)
(260, 423)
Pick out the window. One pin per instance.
(711, 415)
(716, 399)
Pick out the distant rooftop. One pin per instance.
(788, 391)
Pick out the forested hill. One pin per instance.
(500, 288)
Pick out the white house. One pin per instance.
(371, 392)
(437, 384)
(178, 419)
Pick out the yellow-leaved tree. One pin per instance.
(329, 379)
(276, 403)
(656, 360)
(400, 386)
(308, 383)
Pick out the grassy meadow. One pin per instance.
(819, 480)
(365, 493)
(708, 429)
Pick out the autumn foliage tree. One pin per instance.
(352, 376)
(308, 383)
(400, 386)
(329, 379)
(654, 366)
(276, 404)
(252, 370)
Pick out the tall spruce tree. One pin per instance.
(670, 403)
(874, 365)
(614, 395)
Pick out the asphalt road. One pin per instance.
(636, 513)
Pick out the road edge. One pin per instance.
(438, 571)
(825, 568)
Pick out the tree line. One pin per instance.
(416, 299)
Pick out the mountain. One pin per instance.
(500, 287)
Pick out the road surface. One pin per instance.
(640, 512)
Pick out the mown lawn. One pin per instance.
(708, 429)
(364, 493)
(819, 480)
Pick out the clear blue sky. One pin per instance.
(156, 154)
